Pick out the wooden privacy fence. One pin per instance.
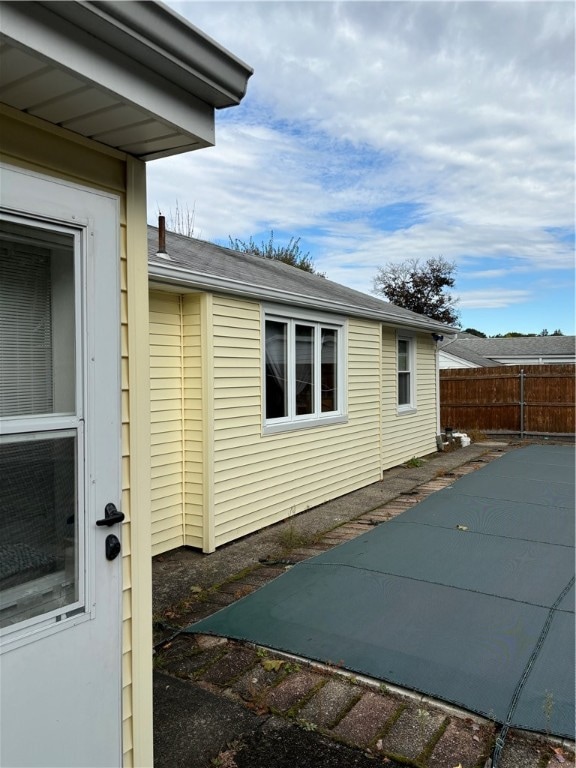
(532, 399)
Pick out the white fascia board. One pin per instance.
(177, 47)
(34, 27)
(184, 277)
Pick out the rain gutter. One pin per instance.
(160, 39)
(184, 277)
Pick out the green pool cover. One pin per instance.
(467, 597)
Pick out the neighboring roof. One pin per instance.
(485, 351)
(134, 76)
(460, 352)
(197, 264)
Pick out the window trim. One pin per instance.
(294, 316)
(409, 407)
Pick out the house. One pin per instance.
(89, 92)
(273, 390)
(468, 351)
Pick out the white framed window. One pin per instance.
(303, 370)
(406, 372)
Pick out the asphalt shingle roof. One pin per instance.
(477, 350)
(202, 259)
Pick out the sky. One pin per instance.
(383, 131)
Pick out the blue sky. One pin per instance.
(381, 131)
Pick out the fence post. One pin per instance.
(522, 404)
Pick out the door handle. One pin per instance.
(111, 516)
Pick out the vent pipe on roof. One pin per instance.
(162, 238)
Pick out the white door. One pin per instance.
(60, 463)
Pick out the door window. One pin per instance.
(41, 425)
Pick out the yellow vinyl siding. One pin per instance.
(36, 145)
(405, 435)
(262, 479)
(167, 458)
(193, 425)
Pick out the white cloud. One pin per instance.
(492, 299)
(465, 109)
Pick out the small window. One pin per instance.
(303, 384)
(406, 400)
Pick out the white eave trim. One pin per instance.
(181, 276)
(118, 48)
(154, 35)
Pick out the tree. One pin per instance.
(288, 254)
(420, 287)
(182, 220)
(517, 334)
(474, 332)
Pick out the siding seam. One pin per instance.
(182, 417)
(207, 357)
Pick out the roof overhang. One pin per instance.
(132, 75)
(184, 280)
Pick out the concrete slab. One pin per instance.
(191, 725)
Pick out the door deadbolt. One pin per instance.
(113, 547)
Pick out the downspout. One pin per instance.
(437, 340)
(437, 360)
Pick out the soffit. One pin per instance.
(76, 73)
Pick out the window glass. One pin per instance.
(329, 370)
(304, 370)
(276, 370)
(403, 389)
(403, 355)
(404, 372)
(36, 321)
(38, 526)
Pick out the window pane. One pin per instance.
(329, 370)
(38, 526)
(402, 355)
(276, 370)
(36, 321)
(403, 389)
(304, 370)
